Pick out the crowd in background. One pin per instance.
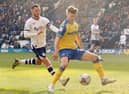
(113, 19)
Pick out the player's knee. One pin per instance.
(62, 68)
(38, 62)
(98, 59)
(41, 58)
(91, 50)
(64, 64)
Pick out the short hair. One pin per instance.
(35, 5)
(95, 19)
(72, 9)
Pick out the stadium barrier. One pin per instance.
(14, 50)
(111, 51)
(9, 50)
(102, 51)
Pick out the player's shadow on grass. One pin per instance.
(47, 92)
(104, 91)
(13, 91)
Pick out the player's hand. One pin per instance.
(55, 55)
(40, 31)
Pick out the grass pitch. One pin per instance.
(34, 79)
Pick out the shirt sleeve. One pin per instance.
(62, 29)
(53, 28)
(46, 21)
(27, 26)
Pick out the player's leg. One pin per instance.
(96, 60)
(63, 65)
(92, 46)
(36, 61)
(41, 55)
(98, 66)
(41, 58)
(47, 64)
(58, 73)
(50, 68)
(29, 61)
(98, 47)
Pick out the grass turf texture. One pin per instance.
(31, 79)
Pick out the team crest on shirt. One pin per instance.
(35, 28)
(38, 28)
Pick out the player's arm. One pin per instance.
(56, 44)
(29, 34)
(96, 32)
(52, 27)
(79, 42)
(59, 34)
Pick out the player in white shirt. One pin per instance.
(95, 36)
(35, 29)
(122, 41)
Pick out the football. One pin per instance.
(85, 79)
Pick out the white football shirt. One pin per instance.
(95, 28)
(32, 26)
(123, 39)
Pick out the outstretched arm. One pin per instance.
(56, 44)
(52, 27)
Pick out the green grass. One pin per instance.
(30, 79)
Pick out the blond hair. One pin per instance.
(72, 9)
